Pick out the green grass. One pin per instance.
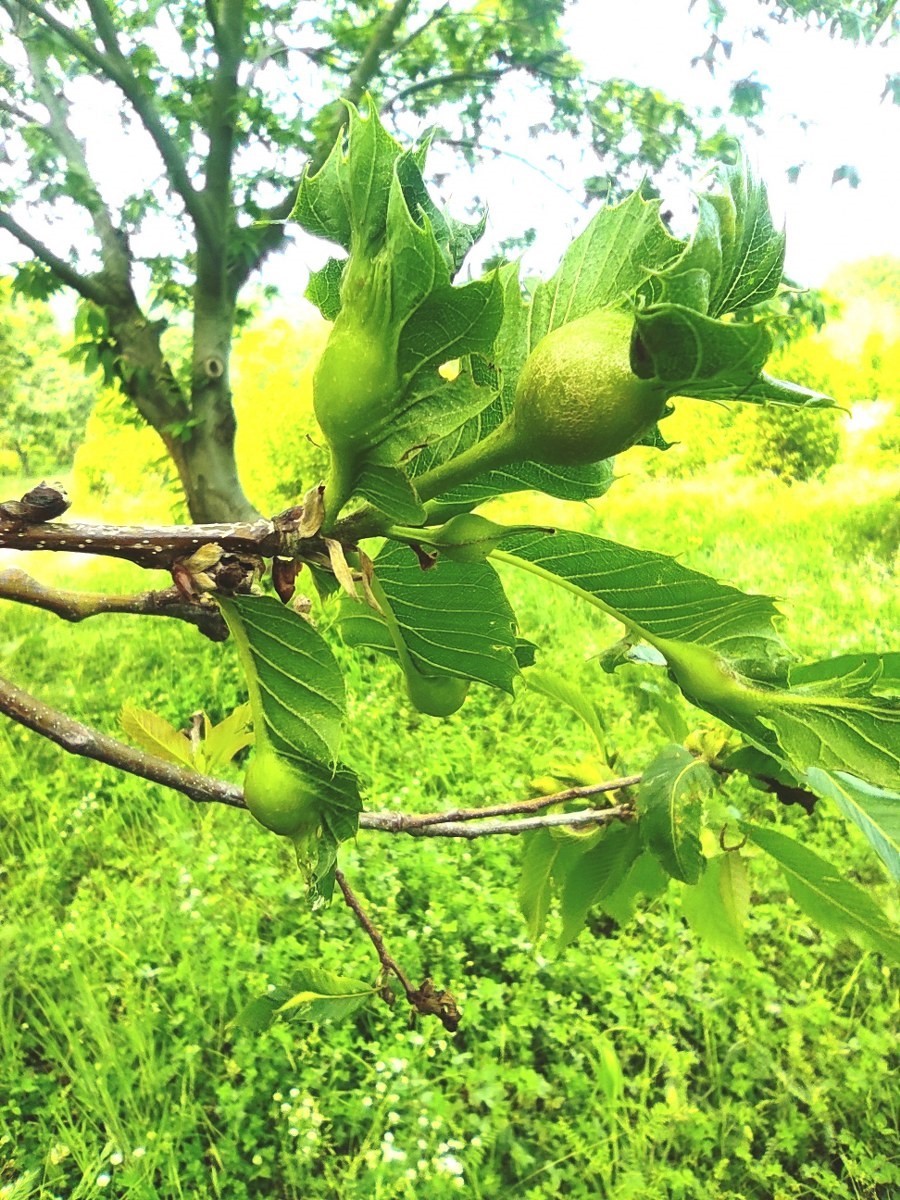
(136, 925)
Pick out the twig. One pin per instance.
(147, 546)
(91, 743)
(87, 742)
(405, 823)
(527, 806)
(78, 606)
(387, 961)
(427, 999)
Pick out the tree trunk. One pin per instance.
(207, 466)
(199, 435)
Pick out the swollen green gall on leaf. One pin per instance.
(583, 396)
(354, 386)
(579, 399)
(435, 695)
(470, 538)
(280, 796)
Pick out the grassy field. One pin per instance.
(635, 1065)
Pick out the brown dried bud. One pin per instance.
(42, 503)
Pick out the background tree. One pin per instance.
(45, 399)
(236, 97)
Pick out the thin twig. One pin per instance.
(81, 739)
(387, 960)
(527, 806)
(78, 606)
(427, 999)
(406, 823)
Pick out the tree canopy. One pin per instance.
(46, 399)
(233, 100)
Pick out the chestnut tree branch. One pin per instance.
(78, 606)
(87, 742)
(147, 546)
(81, 739)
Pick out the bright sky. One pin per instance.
(833, 86)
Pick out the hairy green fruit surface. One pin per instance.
(280, 796)
(578, 399)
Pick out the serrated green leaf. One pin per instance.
(156, 735)
(752, 250)
(670, 810)
(324, 288)
(565, 483)
(645, 878)
(258, 1015)
(723, 651)
(595, 874)
(454, 618)
(605, 265)
(716, 906)
(536, 880)
(223, 741)
(876, 811)
(339, 821)
(346, 200)
(320, 995)
(429, 408)
(450, 322)
(454, 238)
(658, 597)
(391, 492)
(831, 901)
(695, 355)
(295, 684)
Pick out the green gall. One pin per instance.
(354, 387)
(467, 537)
(435, 695)
(281, 796)
(578, 399)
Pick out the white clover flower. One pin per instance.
(449, 1164)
